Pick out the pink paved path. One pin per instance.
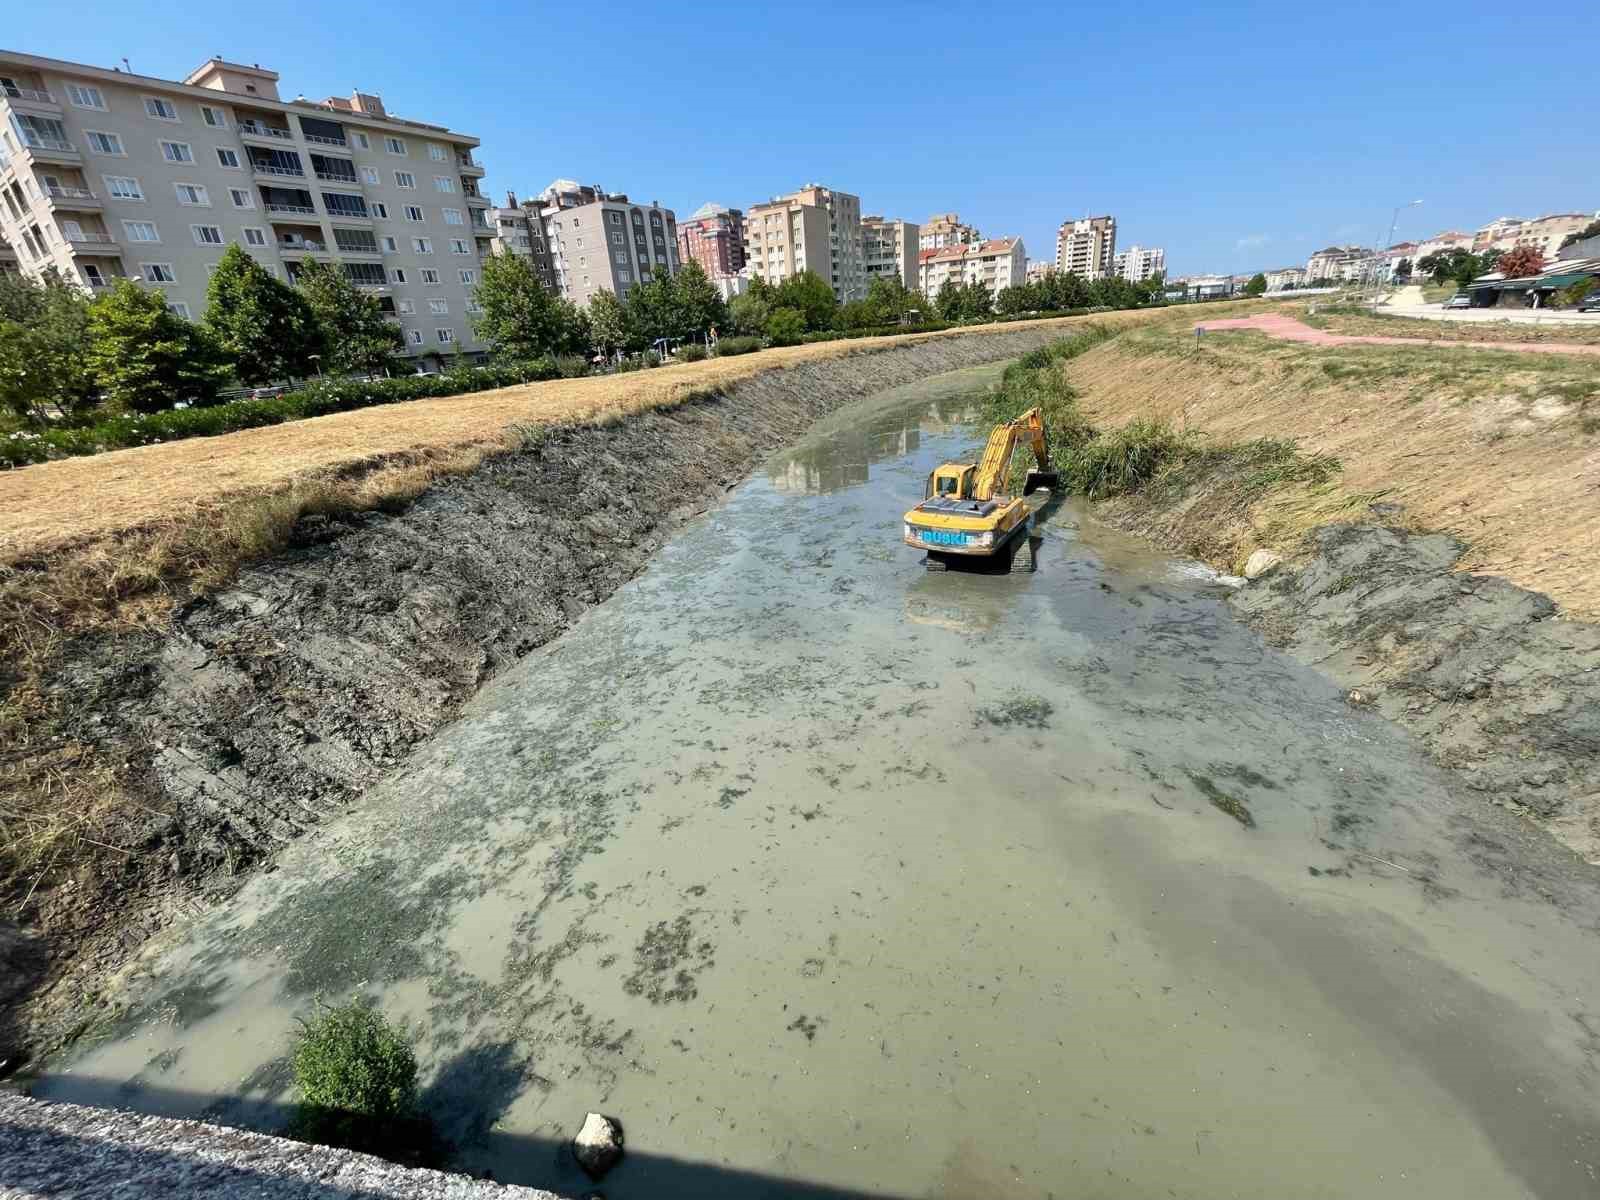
(1289, 329)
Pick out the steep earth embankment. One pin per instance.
(208, 740)
(1448, 578)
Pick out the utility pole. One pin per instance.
(1394, 220)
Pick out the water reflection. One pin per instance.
(833, 459)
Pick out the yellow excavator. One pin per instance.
(965, 514)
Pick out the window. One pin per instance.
(416, 337)
(405, 307)
(474, 307)
(413, 213)
(436, 152)
(161, 110)
(618, 238)
(254, 236)
(217, 118)
(104, 143)
(422, 245)
(459, 246)
(405, 179)
(177, 152)
(207, 235)
(469, 277)
(141, 231)
(158, 273)
(390, 246)
(399, 274)
(192, 195)
(439, 307)
(380, 210)
(179, 307)
(227, 158)
(624, 274)
(370, 175)
(444, 183)
(429, 275)
(614, 217)
(445, 336)
(394, 145)
(452, 216)
(242, 197)
(123, 187)
(85, 96)
(362, 142)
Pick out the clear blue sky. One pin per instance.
(1237, 135)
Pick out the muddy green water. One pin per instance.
(829, 877)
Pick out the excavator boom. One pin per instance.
(994, 468)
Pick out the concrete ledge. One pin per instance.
(70, 1150)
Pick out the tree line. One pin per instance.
(63, 355)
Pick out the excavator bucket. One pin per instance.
(1040, 480)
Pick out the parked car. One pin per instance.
(1589, 303)
(268, 393)
(1459, 300)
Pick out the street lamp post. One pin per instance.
(1394, 221)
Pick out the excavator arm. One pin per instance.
(994, 468)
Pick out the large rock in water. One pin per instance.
(1261, 562)
(598, 1146)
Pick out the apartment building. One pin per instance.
(1039, 268)
(1136, 263)
(1444, 242)
(889, 250)
(1337, 263)
(105, 174)
(713, 236)
(946, 229)
(998, 263)
(1285, 277)
(1544, 234)
(8, 259)
(602, 241)
(814, 229)
(583, 239)
(1087, 246)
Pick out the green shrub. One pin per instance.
(571, 366)
(634, 362)
(738, 345)
(355, 1082)
(691, 352)
(786, 326)
(316, 399)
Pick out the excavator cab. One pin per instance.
(951, 481)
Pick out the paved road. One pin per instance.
(1279, 326)
(1408, 302)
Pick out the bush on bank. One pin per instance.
(355, 1081)
(123, 430)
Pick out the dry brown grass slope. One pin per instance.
(1501, 449)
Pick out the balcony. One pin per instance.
(72, 199)
(86, 241)
(468, 165)
(335, 176)
(30, 99)
(284, 212)
(323, 139)
(473, 198)
(266, 168)
(51, 149)
(263, 132)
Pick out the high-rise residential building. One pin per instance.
(713, 236)
(1137, 263)
(998, 263)
(946, 229)
(1087, 246)
(1038, 268)
(8, 259)
(584, 239)
(814, 229)
(890, 249)
(106, 174)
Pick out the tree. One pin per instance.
(44, 326)
(356, 335)
(748, 313)
(654, 311)
(810, 295)
(701, 306)
(520, 320)
(1257, 285)
(786, 326)
(1018, 298)
(609, 327)
(262, 324)
(1520, 263)
(144, 356)
(891, 301)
